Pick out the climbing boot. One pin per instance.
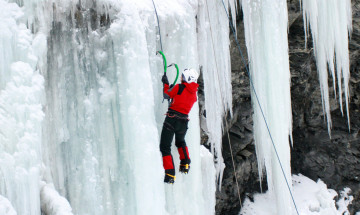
(184, 166)
(184, 159)
(169, 176)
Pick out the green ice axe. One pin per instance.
(177, 70)
(164, 60)
(165, 65)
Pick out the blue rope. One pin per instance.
(258, 101)
(157, 17)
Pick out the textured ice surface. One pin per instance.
(331, 24)
(267, 44)
(51, 202)
(214, 57)
(208, 173)
(5, 207)
(81, 111)
(21, 114)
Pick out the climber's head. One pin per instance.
(189, 76)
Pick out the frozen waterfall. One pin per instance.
(215, 60)
(331, 24)
(266, 25)
(81, 99)
(81, 111)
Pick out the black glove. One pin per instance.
(165, 80)
(166, 96)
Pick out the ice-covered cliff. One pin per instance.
(81, 99)
(81, 105)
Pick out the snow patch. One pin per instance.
(312, 198)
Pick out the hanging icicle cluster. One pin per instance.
(266, 24)
(331, 24)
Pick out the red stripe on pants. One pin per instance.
(182, 154)
(168, 162)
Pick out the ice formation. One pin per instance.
(214, 57)
(52, 202)
(313, 198)
(331, 24)
(22, 89)
(81, 111)
(5, 207)
(80, 100)
(266, 25)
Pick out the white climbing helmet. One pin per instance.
(190, 75)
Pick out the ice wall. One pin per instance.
(21, 114)
(266, 24)
(51, 202)
(81, 111)
(331, 24)
(100, 124)
(214, 56)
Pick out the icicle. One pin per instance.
(331, 24)
(267, 44)
(214, 57)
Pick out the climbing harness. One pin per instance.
(172, 115)
(258, 101)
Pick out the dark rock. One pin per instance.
(334, 160)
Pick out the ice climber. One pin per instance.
(176, 122)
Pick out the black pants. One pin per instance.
(175, 124)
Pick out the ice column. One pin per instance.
(179, 36)
(331, 24)
(100, 135)
(104, 110)
(266, 24)
(21, 93)
(214, 57)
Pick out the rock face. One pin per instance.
(336, 161)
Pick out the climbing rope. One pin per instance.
(163, 55)
(258, 101)
(161, 52)
(227, 126)
(157, 18)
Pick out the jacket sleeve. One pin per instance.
(171, 92)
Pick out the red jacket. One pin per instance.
(183, 98)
